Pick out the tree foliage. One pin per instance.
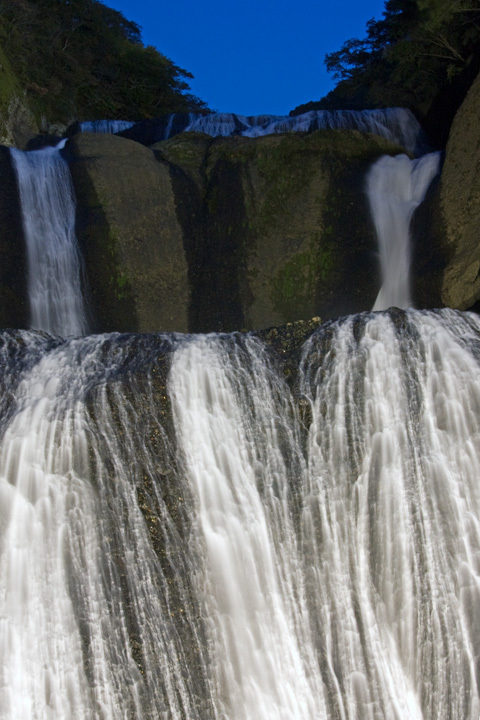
(81, 59)
(417, 48)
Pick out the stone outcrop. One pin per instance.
(17, 123)
(128, 230)
(460, 206)
(224, 234)
(429, 252)
(286, 232)
(13, 266)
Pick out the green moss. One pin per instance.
(122, 280)
(295, 280)
(287, 164)
(296, 283)
(9, 85)
(285, 170)
(187, 151)
(118, 281)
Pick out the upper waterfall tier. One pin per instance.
(105, 126)
(398, 125)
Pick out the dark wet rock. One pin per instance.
(199, 234)
(13, 265)
(460, 206)
(128, 230)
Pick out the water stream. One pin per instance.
(55, 291)
(398, 125)
(186, 536)
(178, 542)
(395, 187)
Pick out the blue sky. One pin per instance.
(252, 57)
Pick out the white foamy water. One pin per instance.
(398, 125)
(263, 653)
(395, 124)
(54, 263)
(391, 525)
(395, 187)
(85, 614)
(42, 671)
(181, 536)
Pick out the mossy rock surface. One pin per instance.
(460, 206)
(128, 229)
(189, 151)
(17, 122)
(286, 227)
(13, 262)
(207, 234)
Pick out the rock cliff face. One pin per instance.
(459, 200)
(17, 123)
(199, 234)
(13, 266)
(131, 239)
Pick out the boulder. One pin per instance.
(460, 206)
(13, 263)
(17, 123)
(204, 234)
(130, 236)
(282, 228)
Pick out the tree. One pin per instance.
(79, 59)
(409, 55)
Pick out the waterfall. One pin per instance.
(54, 264)
(146, 132)
(87, 619)
(192, 529)
(105, 126)
(176, 123)
(183, 535)
(395, 187)
(391, 521)
(225, 400)
(395, 124)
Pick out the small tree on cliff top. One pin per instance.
(416, 48)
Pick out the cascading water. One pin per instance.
(105, 126)
(178, 543)
(395, 187)
(184, 535)
(395, 124)
(177, 122)
(392, 519)
(54, 264)
(228, 408)
(87, 628)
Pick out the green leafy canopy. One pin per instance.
(79, 59)
(407, 57)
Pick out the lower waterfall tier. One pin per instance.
(185, 534)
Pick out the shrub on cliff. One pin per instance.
(81, 59)
(416, 51)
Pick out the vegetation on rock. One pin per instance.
(205, 234)
(418, 50)
(79, 59)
